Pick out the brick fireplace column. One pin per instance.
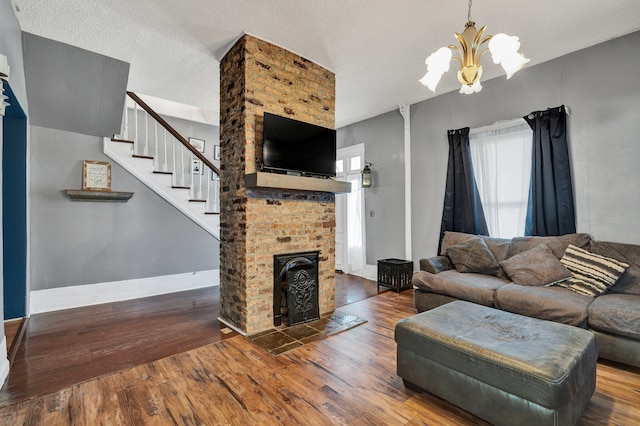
(258, 223)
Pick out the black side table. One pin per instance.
(395, 274)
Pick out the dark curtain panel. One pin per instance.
(462, 210)
(550, 210)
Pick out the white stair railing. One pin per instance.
(168, 151)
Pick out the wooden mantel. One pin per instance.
(303, 183)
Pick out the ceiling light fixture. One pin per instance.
(503, 48)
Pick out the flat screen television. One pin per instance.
(297, 147)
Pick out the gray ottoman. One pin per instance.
(505, 368)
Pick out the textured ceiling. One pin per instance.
(376, 48)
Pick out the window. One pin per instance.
(501, 157)
(355, 164)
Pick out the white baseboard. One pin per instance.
(4, 361)
(369, 272)
(56, 299)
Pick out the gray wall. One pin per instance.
(384, 201)
(193, 129)
(75, 243)
(601, 92)
(73, 89)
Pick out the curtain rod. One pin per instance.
(498, 125)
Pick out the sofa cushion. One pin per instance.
(557, 244)
(629, 283)
(499, 247)
(472, 287)
(473, 255)
(537, 266)
(593, 274)
(436, 264)
(616, 314)
(548, 303)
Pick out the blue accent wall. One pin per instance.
(14, 213)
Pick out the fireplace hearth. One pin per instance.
(295, 288)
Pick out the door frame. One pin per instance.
(345, 154)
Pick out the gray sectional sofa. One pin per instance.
(526, 279)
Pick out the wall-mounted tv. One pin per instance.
(297, 147)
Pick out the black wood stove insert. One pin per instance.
(295, 288)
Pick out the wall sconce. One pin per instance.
(367, 175)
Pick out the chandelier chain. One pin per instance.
(469, 13)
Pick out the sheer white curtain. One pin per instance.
(501, 156)
(354, 218)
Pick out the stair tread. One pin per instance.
(127, 157)
(121, 140)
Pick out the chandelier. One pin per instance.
(503, 48)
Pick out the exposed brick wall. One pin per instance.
(258, 77)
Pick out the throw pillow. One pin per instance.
(629, 282)
(473, 255)
(536, 267)
(557, 244)
(593, 274)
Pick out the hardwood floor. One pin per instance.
(350, 288)
(348, 378)
(62, 348)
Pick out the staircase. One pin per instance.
(155, 153)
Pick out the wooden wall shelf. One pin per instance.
(102, 196)
(303, 183)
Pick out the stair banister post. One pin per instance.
(200, 181)
(183, 179)
(208, 199)
(164, 162)
(192, 193)
(217, 194)
(135, 121)
(174, 177)
(156, 160)
(126, 122)
(145, 149)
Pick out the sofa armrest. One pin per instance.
(436, 264)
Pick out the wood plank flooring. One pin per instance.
(11, 329)
(348, 378)
(62, 348)
(350, 288)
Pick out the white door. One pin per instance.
(350, 230)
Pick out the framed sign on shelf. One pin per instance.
(96, 176)
(197, 144)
